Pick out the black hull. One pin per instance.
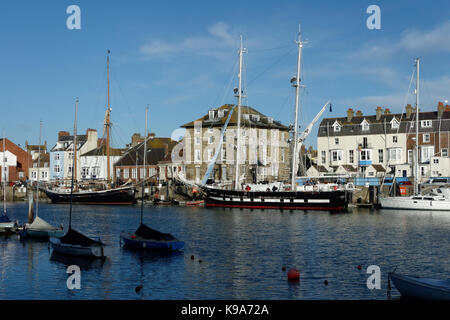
(300, 200)
(111, 196)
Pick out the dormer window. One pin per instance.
(365, 125)
(394, 123)
(336, 127)
(212, 114)
(426, 123)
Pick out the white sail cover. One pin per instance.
(40, 224)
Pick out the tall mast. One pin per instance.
(239, 98)
(297, 91)
(416, 176)
(39, 165)
(145, 170)
(74, 160)
(108, 124)
(4, 175)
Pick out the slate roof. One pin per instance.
(220, 121)
(382, 126)
(157, 150)
(101, 151)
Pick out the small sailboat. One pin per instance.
(146, 238)
(431, 202)
(421, 288)
(6, 225)
(73, 242)
(40, 228)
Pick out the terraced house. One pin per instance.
(370, 146)
(264, 151)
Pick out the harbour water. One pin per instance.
(242, 253)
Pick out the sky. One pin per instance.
(180, 59)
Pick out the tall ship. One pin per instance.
(278, 195)
(98, 192)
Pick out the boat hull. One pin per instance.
(111, 196)
(293, 200)
(407, 203)
(43, 234)
(93, 251)
(146, 244)
(421, 288)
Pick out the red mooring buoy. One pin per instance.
(293, 274)
(359, 267)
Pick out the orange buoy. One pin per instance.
(293, 274)
(133, 236)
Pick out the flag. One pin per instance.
(331, 108)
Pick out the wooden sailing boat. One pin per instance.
(6, 225)
(40, 228)
(433, 201)
(73, 242)
(103, 194)
(146, 238)
(291, 197)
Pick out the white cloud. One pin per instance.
(434, 40)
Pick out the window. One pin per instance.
(410, 156)
(394, 139)
(126, 173)
(133, 173)
(365, 142)
(351, 156)
(197, 155)
(394, 154)
(336, 140)
(436, 161)
(142, 173)
(210, 154)
(56, 157)
(84, 171)
(210, 130)
(211, 140)
(423, 171)
(197, 129)
(394, 123)
(324, 157)
(197, 141)
(56, 168)
(224, 154)
(380, 155)
(336, 155)
(336, 127)
(364, 125)
(426, 123)
(426, 137)
(366, 155)
(118, 173)
(426, 152)
(444, 152)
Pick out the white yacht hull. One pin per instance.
(410, 203)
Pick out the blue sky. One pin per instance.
(180, 58)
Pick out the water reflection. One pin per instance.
(83, 263)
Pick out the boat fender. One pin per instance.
(133, 236)
(293, 274)
(335, 188)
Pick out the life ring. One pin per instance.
(316, 187)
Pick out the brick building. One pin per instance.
(17, 162)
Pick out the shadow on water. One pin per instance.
(83, 263)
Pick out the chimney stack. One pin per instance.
(349, 114)
(359, 113)
(440, 109)
(408, 111)
(63, 134)
(387, 111)
(379, 112)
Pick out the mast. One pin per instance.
(39, 165)
(145, 171)
(108, 124)
(239, 98)
(4, 175)
(297, 91)
(416, 176)
(74, 160)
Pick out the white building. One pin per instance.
(94, 163)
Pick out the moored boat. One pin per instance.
(421, 288)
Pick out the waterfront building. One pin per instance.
(264, 151)
(17, 162)
(61, 155)
(130, 165)
(41, 165)
(94, 163)
(34, 150)
(372, 145)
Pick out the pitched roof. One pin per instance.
(260, 121)
(379, 168)
(101, 151)
(157, 150)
